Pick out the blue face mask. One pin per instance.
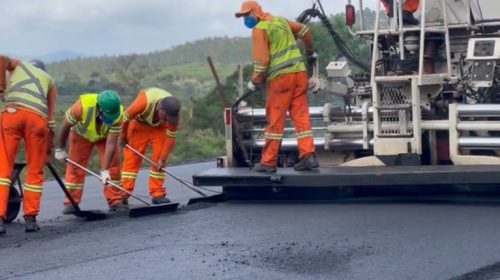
(105, 120)
(250, 21)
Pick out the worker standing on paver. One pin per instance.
(93, 120)
(27, 113)
(409, 7)
(151, 119)
(279, 63)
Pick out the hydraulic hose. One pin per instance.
(343, 49)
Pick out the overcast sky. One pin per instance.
(97, 27)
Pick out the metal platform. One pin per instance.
(353, 176)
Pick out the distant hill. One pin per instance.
(221, 49)
(60, 55)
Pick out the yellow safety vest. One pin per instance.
(87, 126)
(283, 48)
(28, 87)
(153, 95)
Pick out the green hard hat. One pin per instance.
(109, 104)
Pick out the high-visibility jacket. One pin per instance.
(153, 95)
(283, 49)
(87, 127)
(28, 87)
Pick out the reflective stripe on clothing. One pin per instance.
(139, 136)
(74, 186)
(287, 92)
(28, 87)
(33, 188)
(285, 56)
(130, 175)
(5, 182)
(284, 51)
(79, 151)
(88, 126)
(307, 133)
(31, 127)
(285, 64)
(153, 95)
(70, 118)
(171, 133)
(116, 182)
(275, 136)
(52, 124)
(126, 117)
(115, 129)
(159, 175)
(303, 31)
(259, 68)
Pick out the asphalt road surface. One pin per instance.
(347, 239)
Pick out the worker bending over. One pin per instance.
(27, 113)
(151, 119)
(93, 120)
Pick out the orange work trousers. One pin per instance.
(80, 150)
(139, 135)
(408, 6)
(287, 93)
(33, 129)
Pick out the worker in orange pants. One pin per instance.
(278, 61)
(28, 114)
(287, 92)
(409, 7)
(93, 120)
(151, 119)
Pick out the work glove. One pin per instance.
(105, 176)
(60, 154)
(251, 86)
(314, 85)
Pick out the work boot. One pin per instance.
(259, 167)
(160, 200)
(118, 207)
(2, 227)
(31, 224)
(409, 19)
(68, 209)
(307, 163)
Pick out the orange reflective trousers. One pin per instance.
(287, 92)
(80, 150)
(139, 135)
(409, 5)
(33, 129)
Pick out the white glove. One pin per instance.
(60, 154)
(105, 176)
(251, 86)
(314, 84)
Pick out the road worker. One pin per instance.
(93, 120)
(409, 7)
(278, 63)
(152, 118)
(27, 113)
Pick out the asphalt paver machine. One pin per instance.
(425, 111)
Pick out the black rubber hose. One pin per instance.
(343, 49)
